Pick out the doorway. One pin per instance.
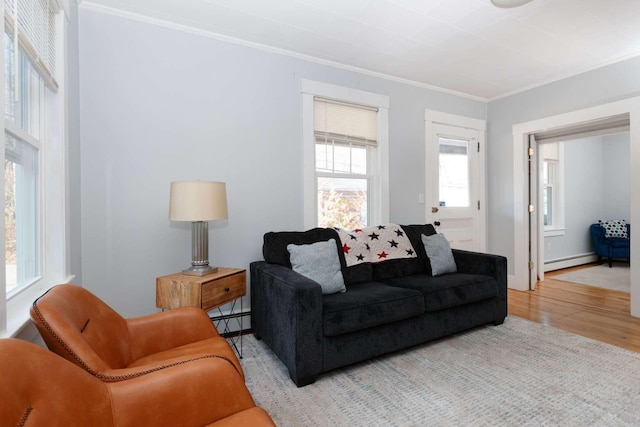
(522, 214)
(581, 179)
(455, 179)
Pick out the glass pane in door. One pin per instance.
(453, 162)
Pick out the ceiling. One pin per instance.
(465, 46)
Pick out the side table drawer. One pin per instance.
(222, 291)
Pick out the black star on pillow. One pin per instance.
(374, 236)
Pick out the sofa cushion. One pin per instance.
(368, 304)
(405, 267)
(448, 290)
(274, 250)
(618, 243)
(319, 262)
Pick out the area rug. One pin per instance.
(517, 374)
(617, 278)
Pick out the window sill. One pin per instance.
(18, 317)
(554, 232)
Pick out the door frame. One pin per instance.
(432, 117)
(520, 279)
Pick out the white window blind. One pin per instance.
(36, 32)
(345, 122)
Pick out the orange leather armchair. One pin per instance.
(80, 327)
(40, 388)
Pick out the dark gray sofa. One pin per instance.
(388, 306)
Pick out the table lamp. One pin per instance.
(198, 202)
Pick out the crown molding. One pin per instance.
(89, 5)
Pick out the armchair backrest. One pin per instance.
(80, 327)
(40, 388)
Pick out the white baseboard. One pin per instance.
(511, 283)
(557, 264)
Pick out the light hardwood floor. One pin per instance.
(597, 313)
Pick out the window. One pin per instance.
(346, 139)
(346, 142)
(21, 214)
(453, 165)
(550, 174)
(552, 193)
(34, 153)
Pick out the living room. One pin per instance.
(151, 101)
(218, 96)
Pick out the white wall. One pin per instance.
(159, 105)
(608, 84)
(616, 176)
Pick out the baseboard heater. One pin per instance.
(570, 261)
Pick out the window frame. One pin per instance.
(379, 191)
(53, 182)
(557, 227)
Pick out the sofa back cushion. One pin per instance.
(320, 262)
(406, 267)
(274, 250)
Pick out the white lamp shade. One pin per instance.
(198, 201)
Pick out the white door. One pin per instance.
(455, 185)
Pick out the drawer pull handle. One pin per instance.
(227, 289)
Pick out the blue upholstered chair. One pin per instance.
(610, 247)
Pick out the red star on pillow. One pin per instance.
(383, 254)
(346, 248)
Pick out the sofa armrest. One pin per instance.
(161, 331)
(286, 311)
(488, 265)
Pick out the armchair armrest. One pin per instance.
(488, 265)
(286, 311)
(196, 393)
(113, 375)
(161, 331)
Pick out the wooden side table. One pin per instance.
(210, 292)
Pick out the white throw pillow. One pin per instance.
(319, 262)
